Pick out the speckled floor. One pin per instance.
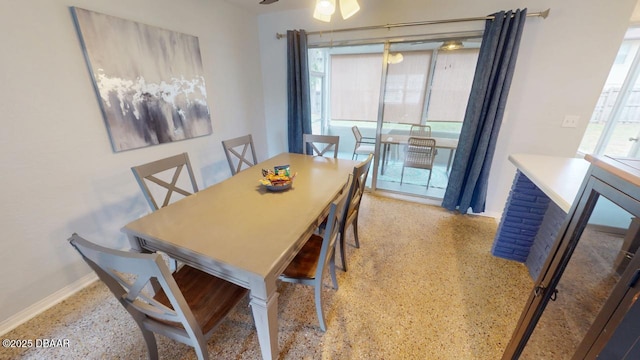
(423, 285)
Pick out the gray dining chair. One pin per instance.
(318, 253)
(237, 151)
(148, 174)
(364, 145)
(421, 154)
(320, 144)
(156, 186)
(185, 306)
(354, 197)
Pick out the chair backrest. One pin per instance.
(357, 134)
(420, 152)
(238, 157)
(149, 173)
(360, 173)
(320, 144)
(128, 276)
(420, 130)
(332, 229)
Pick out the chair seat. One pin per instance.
(306, 261)
(187, 306)
(365, 149)
(210, 298)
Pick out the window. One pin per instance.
(423, 84)
(452, 80)
(355, 86)
(317, 70)
(406, 87)
(614, 127)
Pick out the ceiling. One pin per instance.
(635, 16)
(254, 6)
(283, 5)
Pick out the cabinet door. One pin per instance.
(581, 288)
(625, 342)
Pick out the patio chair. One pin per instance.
(185, 306)
(320, 144)
(350, 217)
(309, 265)
(420, 153)
(239, 158)
(364, 145)
(420, 131)
(146, 175)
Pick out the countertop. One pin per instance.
(558, 177)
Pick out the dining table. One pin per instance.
(244, 233)
(402, 139)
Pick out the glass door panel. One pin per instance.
(423, 85)
(600, 257)
(347, 89)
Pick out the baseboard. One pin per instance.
(427, 201)
(46, 303)
(405, 197)
(608, 229)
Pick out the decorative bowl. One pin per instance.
(279, 179)
(281, 187)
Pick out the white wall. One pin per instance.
(58, 172)
(563, 64)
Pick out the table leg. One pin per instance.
(265, 316)
(451, 152)
(384, 157)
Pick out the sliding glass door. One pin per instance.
(426, 86)
(373, 94)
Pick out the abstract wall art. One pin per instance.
(149, 81)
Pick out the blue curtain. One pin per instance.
(468, 180)
(299, 103)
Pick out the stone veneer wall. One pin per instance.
(546, 237)
(521, 219)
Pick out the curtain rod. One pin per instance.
(542, 14)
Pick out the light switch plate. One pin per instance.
(570, 121)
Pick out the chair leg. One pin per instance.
(343, 251)
(429, 180)
(401, 174)
(318, 295)
(201, 350)
(332, 270)
(355, 232)
(149, 338)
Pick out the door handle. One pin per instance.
(633, 139)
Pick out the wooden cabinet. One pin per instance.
(612, 320)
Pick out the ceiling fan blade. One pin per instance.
(267, 2)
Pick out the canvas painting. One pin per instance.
(149, 80)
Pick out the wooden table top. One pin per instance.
(240, 223)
